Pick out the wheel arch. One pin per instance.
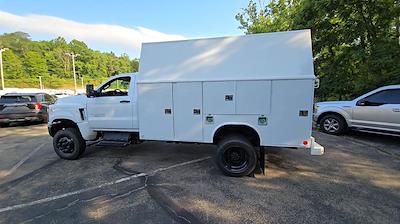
(322, 115)
(246, 130)
(59, 124)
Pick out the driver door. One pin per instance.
(380, 110)
(111, 108)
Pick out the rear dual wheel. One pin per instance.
(236, 156)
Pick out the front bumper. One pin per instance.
(49, 130)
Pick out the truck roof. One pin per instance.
(279, 55)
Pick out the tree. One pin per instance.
(355, 43)
(35, 65)
(275, 16)
(12, 65)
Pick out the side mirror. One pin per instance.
(365, 102)
(90, 90)
(361, 102)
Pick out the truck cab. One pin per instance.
(110, 107)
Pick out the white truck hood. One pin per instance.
(79, 100)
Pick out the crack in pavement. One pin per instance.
(172, 208)
(178, 213)
(117, 166)
(363, 143)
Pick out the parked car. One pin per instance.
(375, 111)
(61, 95)
(24, 107)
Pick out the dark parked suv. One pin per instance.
(24, 107)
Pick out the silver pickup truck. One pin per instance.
(375, 111)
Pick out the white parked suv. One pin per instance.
(375, 111)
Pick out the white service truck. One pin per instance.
(241, 93)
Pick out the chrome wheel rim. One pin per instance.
(331, 125)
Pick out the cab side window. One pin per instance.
(390, 96)
(116, 87)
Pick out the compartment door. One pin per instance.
(188, 125)
(155, 111)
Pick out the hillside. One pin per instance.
(27, 59)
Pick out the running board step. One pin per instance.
(113, 143)
(116, 136)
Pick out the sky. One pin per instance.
(121, 26)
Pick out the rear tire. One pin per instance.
(3, 125)
(69, 144)
(236, 156)
(333, 124)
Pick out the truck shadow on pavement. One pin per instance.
(352, 183)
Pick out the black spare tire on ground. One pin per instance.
(69, 144)
(236, 156)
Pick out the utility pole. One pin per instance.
(40, 82)
(1, 67)
(82, 81)
(73, 56)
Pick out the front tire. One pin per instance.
(236, 156)
(333, 124)
(69, 144)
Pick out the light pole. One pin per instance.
(40, 82)
(1, 66)
(73, 56)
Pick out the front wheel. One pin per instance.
(333, 124)
(236, 156)
(69, 144)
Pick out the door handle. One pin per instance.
(396, 110)
(124, 101)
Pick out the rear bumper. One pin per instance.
(5, 119)
(316, 149)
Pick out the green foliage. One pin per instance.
(27, 59)
(35, 64)
(12, 65)
(355, 43)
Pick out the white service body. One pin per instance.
(187, 90)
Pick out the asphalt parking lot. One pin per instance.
(356, 181)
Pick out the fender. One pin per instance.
(68, 109)
(64, 113)
(334, 109)
(233, 124)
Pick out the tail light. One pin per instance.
(38, 106)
